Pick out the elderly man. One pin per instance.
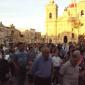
(42, 68)
(70, 70)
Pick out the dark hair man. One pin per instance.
(21, 61)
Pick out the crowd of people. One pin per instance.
(43, 64)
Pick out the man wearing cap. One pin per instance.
(70, 70)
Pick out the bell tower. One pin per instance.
(51, 18)
(51, 1)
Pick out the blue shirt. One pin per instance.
(21, 58)
(42, 68)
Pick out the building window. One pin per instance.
(73, 35)
(82, 12)
(50, 15)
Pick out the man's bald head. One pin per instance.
(45, 52)
(45, 48)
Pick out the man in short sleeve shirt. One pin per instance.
(70, 70)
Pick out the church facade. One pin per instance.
(71, 24)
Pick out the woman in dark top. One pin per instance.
(4, 69)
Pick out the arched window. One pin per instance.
(82, 12)
(50, 15)
(72, 35)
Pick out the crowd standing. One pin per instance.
(42, 64)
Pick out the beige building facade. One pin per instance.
(31, 36)
(9, 34)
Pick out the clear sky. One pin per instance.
(27, 13)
